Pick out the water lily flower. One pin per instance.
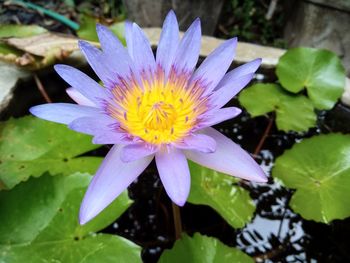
(154, 107)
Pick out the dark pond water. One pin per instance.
(276, 234)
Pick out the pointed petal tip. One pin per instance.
(82, 221)
(171, 15)
(59, 67)
(180, 203)
(261, 178)
(84, 217)
(171, 12)
(257, 62)
(82, 43)
(197, 24)
(102, 30)
(100, 27)
(233, 40)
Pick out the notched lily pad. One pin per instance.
(39, 223)
(220, 191)
(293, 112)
(30, 146)
(320, 72)
(319, 169)
(203, 249)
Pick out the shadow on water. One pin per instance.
(275, 234)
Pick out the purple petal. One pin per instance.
(133, 152)
(198, 142)
(143, 57)
(110, 137)
(218, 116)
(94, 125)
(174, 174)
(168, 43)
(111, 179)
(187, 54)
(97, 60)
(215, 65)
(75, 95)
(128, 37)
(223, 95)
(116, 56)
(245, 69)
(63, 113)
(229, 158)
(83, 83)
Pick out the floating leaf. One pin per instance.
(220, 191)
(30, 147)
(87, 29)
(203, 249)
(20, 30)
(9, 53)
(293, 112)
(319, 169)
(39, 223)
(319, 71)
(41, 50)
(12, 54)
(45, 44)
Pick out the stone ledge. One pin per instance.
(245, 51)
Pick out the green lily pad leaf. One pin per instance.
(8, 50)
(220, 191)
(319, 71)
(87, 29)
(319, 169)
(39, 223)
(20, 30)
(203, 249)
(30, 146)
(293, 112)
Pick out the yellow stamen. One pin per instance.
(159, 113)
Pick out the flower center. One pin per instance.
(158, 113)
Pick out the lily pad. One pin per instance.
(221, 192)
(87, 29)
(319, 169)
(319, 71)
(293, 112)
(20, 30)
(30, 147)
(39, 223)
(203, 249)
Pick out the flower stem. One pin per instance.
(42, 89)
(177, 220)
(54, 15)
(263, 138)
